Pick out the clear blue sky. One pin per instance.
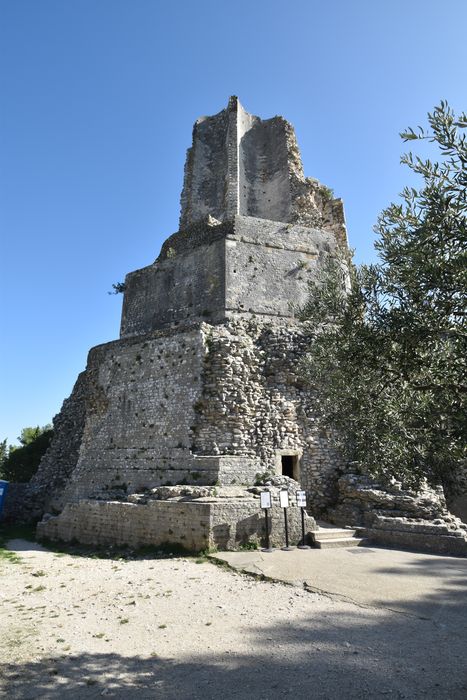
(98, 98)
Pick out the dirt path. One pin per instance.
(83, 627)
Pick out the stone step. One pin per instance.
(332, 533)
(339, 542)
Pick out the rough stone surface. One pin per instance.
(241, 164)
(243, 267)
(397, 517)
(254, 405)
(204, 405)
(456, 493)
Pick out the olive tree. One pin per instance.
(388, 359)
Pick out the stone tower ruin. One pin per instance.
(203, 390)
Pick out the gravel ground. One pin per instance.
(83, 627)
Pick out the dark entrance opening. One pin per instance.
(288, 465)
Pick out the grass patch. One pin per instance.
(203, 556)
(7, 556)
(248, 546)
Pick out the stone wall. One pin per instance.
(59, 462)
(254, 404)
(234, 524)
(186, 285)
(201, 405)
(100, 523)
(139, 412)
(269, 267)
(434, 537)
(245, 267)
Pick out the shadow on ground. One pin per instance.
(446, 602)
(356, 654)
(341, 652)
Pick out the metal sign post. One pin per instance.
(265, 498)
(284, 502)
(301, 503)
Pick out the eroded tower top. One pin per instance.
(241, 164)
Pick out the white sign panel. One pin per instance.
(284, 499)
(265, 497)
(301, 499)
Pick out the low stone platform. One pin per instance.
(395, 517)
(195, 518)
(404, 533)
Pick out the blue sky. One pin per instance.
(98, 102)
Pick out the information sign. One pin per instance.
(284, 499)
(265, 497)
(301, 499)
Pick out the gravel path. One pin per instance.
(83, 627)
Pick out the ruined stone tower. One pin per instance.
(203, 387)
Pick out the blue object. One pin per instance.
(3, 492)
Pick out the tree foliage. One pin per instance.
(389, 357)
(29, 435)
(21, 463)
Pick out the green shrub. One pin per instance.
(21, 463)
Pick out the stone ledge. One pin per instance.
(435, 544)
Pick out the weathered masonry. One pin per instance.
(203, 388)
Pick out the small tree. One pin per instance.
(3, 452)
(29, 435)
(21, 463)
(389, 358)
